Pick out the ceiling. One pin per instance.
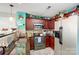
(36, 8)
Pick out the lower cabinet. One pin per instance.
(47, 41)
(50, 41)
(31, 43)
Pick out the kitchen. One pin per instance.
(32, 30)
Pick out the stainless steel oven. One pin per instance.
(39, 42)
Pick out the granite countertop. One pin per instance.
(3, 35)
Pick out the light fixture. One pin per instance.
(61, 14)
(48, 7)
(11, 16)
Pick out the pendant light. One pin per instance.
(11, 17)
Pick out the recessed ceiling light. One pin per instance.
(48, 7)
(19, 3)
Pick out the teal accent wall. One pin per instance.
(21, 24)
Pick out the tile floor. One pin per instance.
(46, 51)
(19, 42)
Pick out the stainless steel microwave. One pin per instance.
(38, 26)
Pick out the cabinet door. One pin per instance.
(51, 24)
(37, 21)
(47, 41)
(31, 43)
(52, 42)
(45, 24)
(29, 24)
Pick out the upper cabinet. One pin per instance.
(51, 24)
(45, 24)
(31, 23)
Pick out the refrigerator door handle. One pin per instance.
(60, 34)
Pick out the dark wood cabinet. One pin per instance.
(48, 24)
(31, 43)
(51, 24)
(29, 24)
(47, 41)
(50, 41)
(45, 24)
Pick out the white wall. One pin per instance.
(69, 33)
(6, 23)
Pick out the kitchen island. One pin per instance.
(7, 42)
